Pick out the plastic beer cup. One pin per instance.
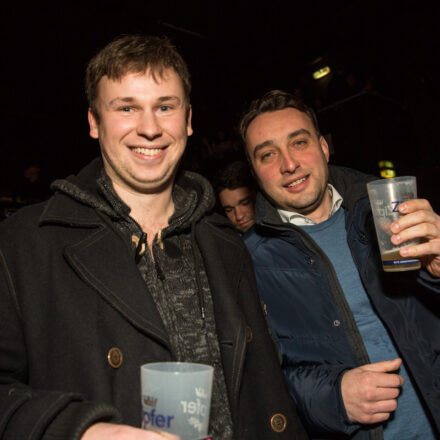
(385, 197)
(176, 398)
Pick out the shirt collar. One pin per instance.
(302, 220)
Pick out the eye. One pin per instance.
(126, 109)
(164, 108)
(228, 209)
(265, 156)
(300, 143)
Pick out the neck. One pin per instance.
(150, 211)
(322, 213)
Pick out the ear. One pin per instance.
(189, 129)
(324, 147)
(93, 124)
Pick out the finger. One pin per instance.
(414, 205)
(161, 435)
(388, 380)
(384, 366)
(421, 250)
(379, 417)
(415, 218)
(424, 229)
(384, 406)
(382, 393)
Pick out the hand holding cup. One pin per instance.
(418, 221)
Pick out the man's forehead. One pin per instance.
(128, 82)
(230, 195)
(157, 75)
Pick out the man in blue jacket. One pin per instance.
(360, 347)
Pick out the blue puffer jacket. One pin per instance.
(313, 325)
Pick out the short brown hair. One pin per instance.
(134, 53)
(271, 102)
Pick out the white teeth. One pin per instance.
(147, 151)
(296, 183)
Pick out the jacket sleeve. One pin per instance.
(27, 413)
(429, 281)
(316, 390)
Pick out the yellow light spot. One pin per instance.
(386, 174)
(321, 72)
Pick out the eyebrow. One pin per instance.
(130, 99)
(290, 136)
(244, 199)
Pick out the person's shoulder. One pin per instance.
(225, 232)
(25, 217)
(343, 174)
(253, 239)
(217, 220)
(20, 231)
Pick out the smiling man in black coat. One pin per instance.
(126, 265)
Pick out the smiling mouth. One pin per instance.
(147, 151)
(297, 182)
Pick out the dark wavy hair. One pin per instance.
(235, 175)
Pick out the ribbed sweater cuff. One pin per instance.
(71, 423)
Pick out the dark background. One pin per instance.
(380, 102)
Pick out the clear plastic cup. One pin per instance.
(176, 398)
(385, 197)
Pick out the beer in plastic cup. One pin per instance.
(385, 197)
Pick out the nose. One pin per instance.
(149, 126)
(288, 163)
(239, 213)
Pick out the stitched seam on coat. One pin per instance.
(10, 284)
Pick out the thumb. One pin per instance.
(384, 366)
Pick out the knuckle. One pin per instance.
(366, 408)
(370, 393)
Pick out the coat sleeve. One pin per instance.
(430, 282)
(316, 390)
(25, 412)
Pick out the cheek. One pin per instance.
(250, 211)
(267, 176)
(116, 129)
(230, 216)
(177, 128)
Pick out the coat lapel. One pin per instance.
(104, 262)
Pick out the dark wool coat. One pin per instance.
(70, 292)
(314, 326)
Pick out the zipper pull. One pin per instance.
(140, 247)
(159, 272)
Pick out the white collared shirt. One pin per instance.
(302, 220)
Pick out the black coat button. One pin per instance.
(278, 422)
(115, 357)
